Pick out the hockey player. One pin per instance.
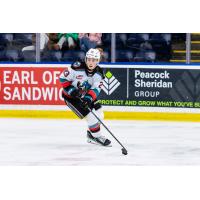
(81, 87)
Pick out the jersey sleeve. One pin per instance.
(95, 89)
(66, 79)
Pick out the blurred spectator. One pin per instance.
(102, 58)
(67, 40)
(53, 40)
(43, 42)
(90, 40)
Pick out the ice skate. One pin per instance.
(99, 140)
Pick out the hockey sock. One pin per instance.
(93, 125)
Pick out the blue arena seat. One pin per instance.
(2, 47)
(29, 56)
(12, 55)
(145, 46)
(179, 37)
(124, 55)
(140, 56)
(23, 38)
(121, 39)
(106, 40)
(161, 43)
(160, 38)
(73, 55)
(145, 56)
(150, 56)
(6, 38)
(144, 36)
(2, 55)
(135, 39)
(55, 56)
(157, 38)
(167, 37)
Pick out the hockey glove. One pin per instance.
(86, 103)
(75, 94)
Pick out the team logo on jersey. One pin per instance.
(110, 83)
(79, 77)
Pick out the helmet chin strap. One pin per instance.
(90, 70)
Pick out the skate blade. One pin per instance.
(93, 142)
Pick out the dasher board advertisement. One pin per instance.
(124, 85)
(35, 85)
(152, 87)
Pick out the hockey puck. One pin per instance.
(124, 151)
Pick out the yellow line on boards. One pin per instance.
(193, 117)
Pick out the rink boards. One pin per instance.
(129, 91)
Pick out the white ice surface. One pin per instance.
(48, 142)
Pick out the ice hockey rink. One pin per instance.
(47, 142)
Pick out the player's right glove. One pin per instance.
(86, 102)
(75, 94)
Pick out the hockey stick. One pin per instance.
(124, 151)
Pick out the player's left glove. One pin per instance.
(86, 103)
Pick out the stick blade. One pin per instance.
(124, 151)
